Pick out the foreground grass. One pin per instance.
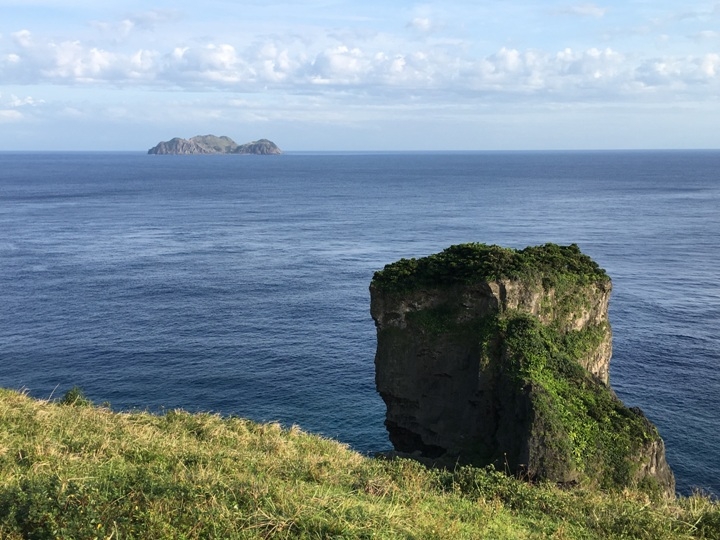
(69, 471)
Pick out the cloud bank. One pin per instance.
(368, 67)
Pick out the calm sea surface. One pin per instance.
(239, 284)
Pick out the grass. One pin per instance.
(73, 470)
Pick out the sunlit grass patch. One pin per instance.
(86, 472)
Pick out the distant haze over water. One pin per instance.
(239, 284)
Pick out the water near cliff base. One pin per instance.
(239, 284)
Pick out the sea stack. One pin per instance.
(489, 355)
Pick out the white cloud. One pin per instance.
(10, 115)
(147, 21)
(70, 112)
(707, 35)
(212, 64)
(680, 73)
(584, 10)
(423, 24)
(363, 64)
(71, 61)
(710, 65)
(697, 14)
(277, 64)
(341, 65)
(120, 29)
(23, 38)
(16, 102)
(9, 107)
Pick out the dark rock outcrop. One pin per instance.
(488, 355)
(210, 144)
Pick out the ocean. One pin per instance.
(239, 284)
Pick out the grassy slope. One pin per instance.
(85, 472)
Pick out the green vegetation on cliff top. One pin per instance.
(468, 263)
(72, 470)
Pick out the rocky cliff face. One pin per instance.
(488, 355)
(210, 144)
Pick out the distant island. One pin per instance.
(210, 144)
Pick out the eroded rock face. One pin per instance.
(511, 370)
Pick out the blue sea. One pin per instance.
(239, 284)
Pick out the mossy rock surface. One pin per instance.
(472, 262)
(580, 429)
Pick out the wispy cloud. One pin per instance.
(146, 21)
(423, 24)
(10, 115)
(706, 35)
(584, 10)
(11, 107)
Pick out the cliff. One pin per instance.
(210, 144)
(489, 355)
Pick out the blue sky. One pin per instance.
(340, 75)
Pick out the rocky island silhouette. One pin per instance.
(210, 144)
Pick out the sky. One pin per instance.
(336, 75)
